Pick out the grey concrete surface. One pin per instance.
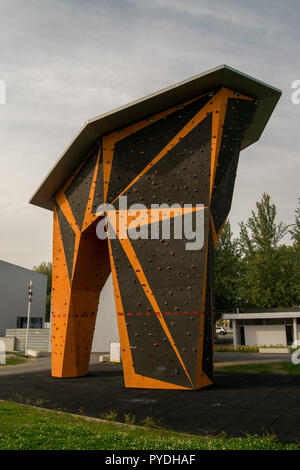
(43, 363)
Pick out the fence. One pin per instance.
(38, 338)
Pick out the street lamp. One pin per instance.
(28, 315)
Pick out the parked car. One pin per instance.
(220, 330)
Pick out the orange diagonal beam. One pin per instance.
(66, 209)
(88, 216)
(109, 141)
(219, 111)
(199, 379)
(127, 247)
(132, 379)
(200, 116)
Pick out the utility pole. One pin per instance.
(28, 315)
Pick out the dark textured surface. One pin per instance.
(99, 188)
(182, 175)
(176, 276)
(152, 353)
(178, 281)
(222, 196)
(133, 153)
(207, 360)
(239, 115)
(78, 192)
(68, 239)
(236, 404)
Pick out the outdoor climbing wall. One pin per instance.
(164, 293)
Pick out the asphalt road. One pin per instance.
(43, 363)
(240, 357)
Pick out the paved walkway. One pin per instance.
(236, 404)
(221, 358)
(36, 365)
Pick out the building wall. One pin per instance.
(38, 338)
(14, 282)
(106, 329)
(265, 335)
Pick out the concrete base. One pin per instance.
(115, 352)
(33, 353)
(104, 358)
(275, 350)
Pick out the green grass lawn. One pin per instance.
(239, 348)
(13, 359)
(25, 427)
(286, 368)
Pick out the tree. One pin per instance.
(46, 268)
(295, 231)
(227, 271)
(268, 278)
(272, 280)
(261, 232)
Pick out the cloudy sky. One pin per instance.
(66, 61)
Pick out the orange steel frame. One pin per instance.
(75, 300)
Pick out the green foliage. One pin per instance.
(257, 271)
(129, 418)
(46, 268)
(227, 271)
(239, 348)
(149, 422)
(40, 402)
(261, 232)
(13, 359)
(295, 230)
(272, 279)
(271, 276)
(110, 415)
(39, 429)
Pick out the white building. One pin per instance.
(106, 328)
(273, 328)
(14, 283)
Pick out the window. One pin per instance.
(256, 321)
(274, 321)
(34, 322)
(264, 321)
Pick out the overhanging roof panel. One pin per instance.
(259, 316)
(222, 76)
